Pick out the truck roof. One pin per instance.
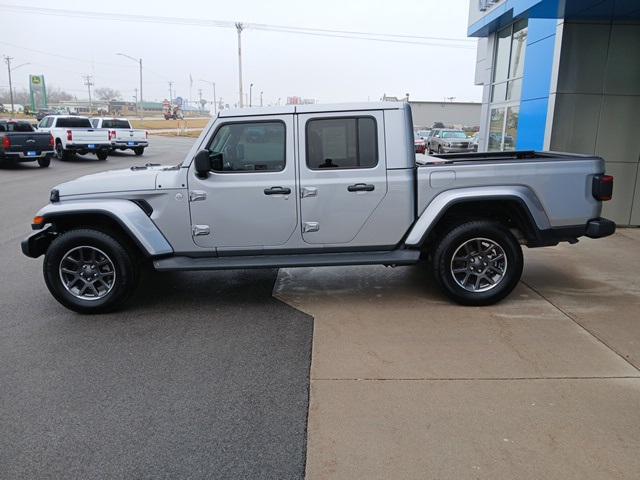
(313, 108)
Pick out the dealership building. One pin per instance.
(564, 75)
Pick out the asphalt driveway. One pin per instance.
(204, 375)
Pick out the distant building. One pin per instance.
(451, 114)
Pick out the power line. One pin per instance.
(371, 36)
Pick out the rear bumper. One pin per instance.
(84, 147)
(24, 157)
(600, 228)
(595, 228)
(132, 144)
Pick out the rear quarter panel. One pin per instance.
(562, 186)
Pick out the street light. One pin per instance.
(138, 61)
(215, 106)
(7, 60)
(250, 93)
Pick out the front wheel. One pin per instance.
(138, 151)
(89, 271)
(478, 263)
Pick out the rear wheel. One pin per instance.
(478, 263)
(138, 151)
(89, 271)
(102, 155)
(61, 153)
(44, 162)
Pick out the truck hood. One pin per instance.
(125, 180)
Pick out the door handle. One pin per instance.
(361, 187)
(277, 191)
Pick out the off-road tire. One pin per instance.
(125, 267)
(443, 266)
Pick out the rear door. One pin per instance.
(343, 174)
(250, 202)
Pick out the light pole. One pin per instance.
(239, 28)
(250, 94)
(215, 105)
(7, 60)
(139, 62)
(261, 92)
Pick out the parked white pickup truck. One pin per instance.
(315, 185)
(122, 135)
(73, 134)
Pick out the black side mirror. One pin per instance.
(205, 161)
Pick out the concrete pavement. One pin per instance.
(544, 385)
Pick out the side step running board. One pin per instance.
(393, 257)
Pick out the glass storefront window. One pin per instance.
(511, 128)
(506, 90)
(496, 126)
(501, 70)
(518, 49)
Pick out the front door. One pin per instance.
(249, 200)
(343, 175)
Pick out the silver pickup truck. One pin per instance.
(316, 185)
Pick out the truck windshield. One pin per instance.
(73, 122)
(115, 123)
(454, 134)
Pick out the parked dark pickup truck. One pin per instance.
(19, 142)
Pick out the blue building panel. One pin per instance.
(538, 68)
(532, 124)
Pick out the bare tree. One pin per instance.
(107, 94)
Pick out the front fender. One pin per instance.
(126, 213)
(439, 205)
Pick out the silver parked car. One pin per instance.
(449, 141)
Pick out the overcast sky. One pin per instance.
(280, 64)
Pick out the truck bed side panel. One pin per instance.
(562, 186)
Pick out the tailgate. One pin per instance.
(28, 142)
(89, 136)
(124, 135)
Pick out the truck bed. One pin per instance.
(558, 183)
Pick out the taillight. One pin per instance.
(52, 142)
(602, 187)
(69, 135)
(6, 142)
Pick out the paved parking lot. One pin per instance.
(209, 375)
(203, 376)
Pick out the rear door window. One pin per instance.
(335, 143)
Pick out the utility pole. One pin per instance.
(261, 92)
(250, 94)
(200, 95)
(8, 59)
(215, 104)
(88, 81)
(239, 28)
(171, 93)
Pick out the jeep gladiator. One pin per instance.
(316, 185)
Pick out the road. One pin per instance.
(204, 375)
